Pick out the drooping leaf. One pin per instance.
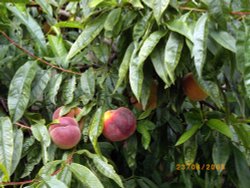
(243, 132)
(85, 176)
(88, 85)
(96, 127)
(31, 24)
(88, 34)
(220, 126)
(54, 86)
(172, 54)
(19, 90)
(68, 90)
(157, 58)
(18, 147)
(159, 7)
(65, 176)
(6, 143)
(124, 67)
(200, 43)
(188, 134)
(136, 64)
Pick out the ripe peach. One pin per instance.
(192, 89)
(66, 134)
(72, 113)
(152, 101)
(119, 124)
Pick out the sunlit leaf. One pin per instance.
(88, 85)
(68, 90)
(188, 134)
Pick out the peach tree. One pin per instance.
(66, 63)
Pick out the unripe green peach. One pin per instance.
(119, 124)
(66, 133)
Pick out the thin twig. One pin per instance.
(23, 126)
(18, 183)
(240, 13)
(193, 9)
(35, 57)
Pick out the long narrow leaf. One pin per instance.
(19, 91)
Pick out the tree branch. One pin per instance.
(35, 57)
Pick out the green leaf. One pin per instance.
(124, 67)
(4, 174)
(144, 127)
(19, 90)
(136, 3)
(130, 151)
(159, 7)
(90, 32)
(172, 56)
(112, 19)
(241, 168)
(88, 85)
(39, 84)
(157, 58)
(200, 43)
(52, 182)
(54, 86)
(45, 7)
(6, 143)
(188, 134)
(94, 3)
(31, 24)
(141, 26)
(221, 151)
(85, 176)
(18, 147)
(243, 132)
(103, 167)
(224, 39)
(136, 65)
(220, 126)
(68, 90)
(96, 126)
(182, 27)
(58, 48)
(190, 151)
(69, 24)
(41, 133)
(65, 176)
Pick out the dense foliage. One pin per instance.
(97, 55)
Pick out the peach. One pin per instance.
(66, 134)
(119, 124)
(152, 101)
(72, 113)
(192, 89)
